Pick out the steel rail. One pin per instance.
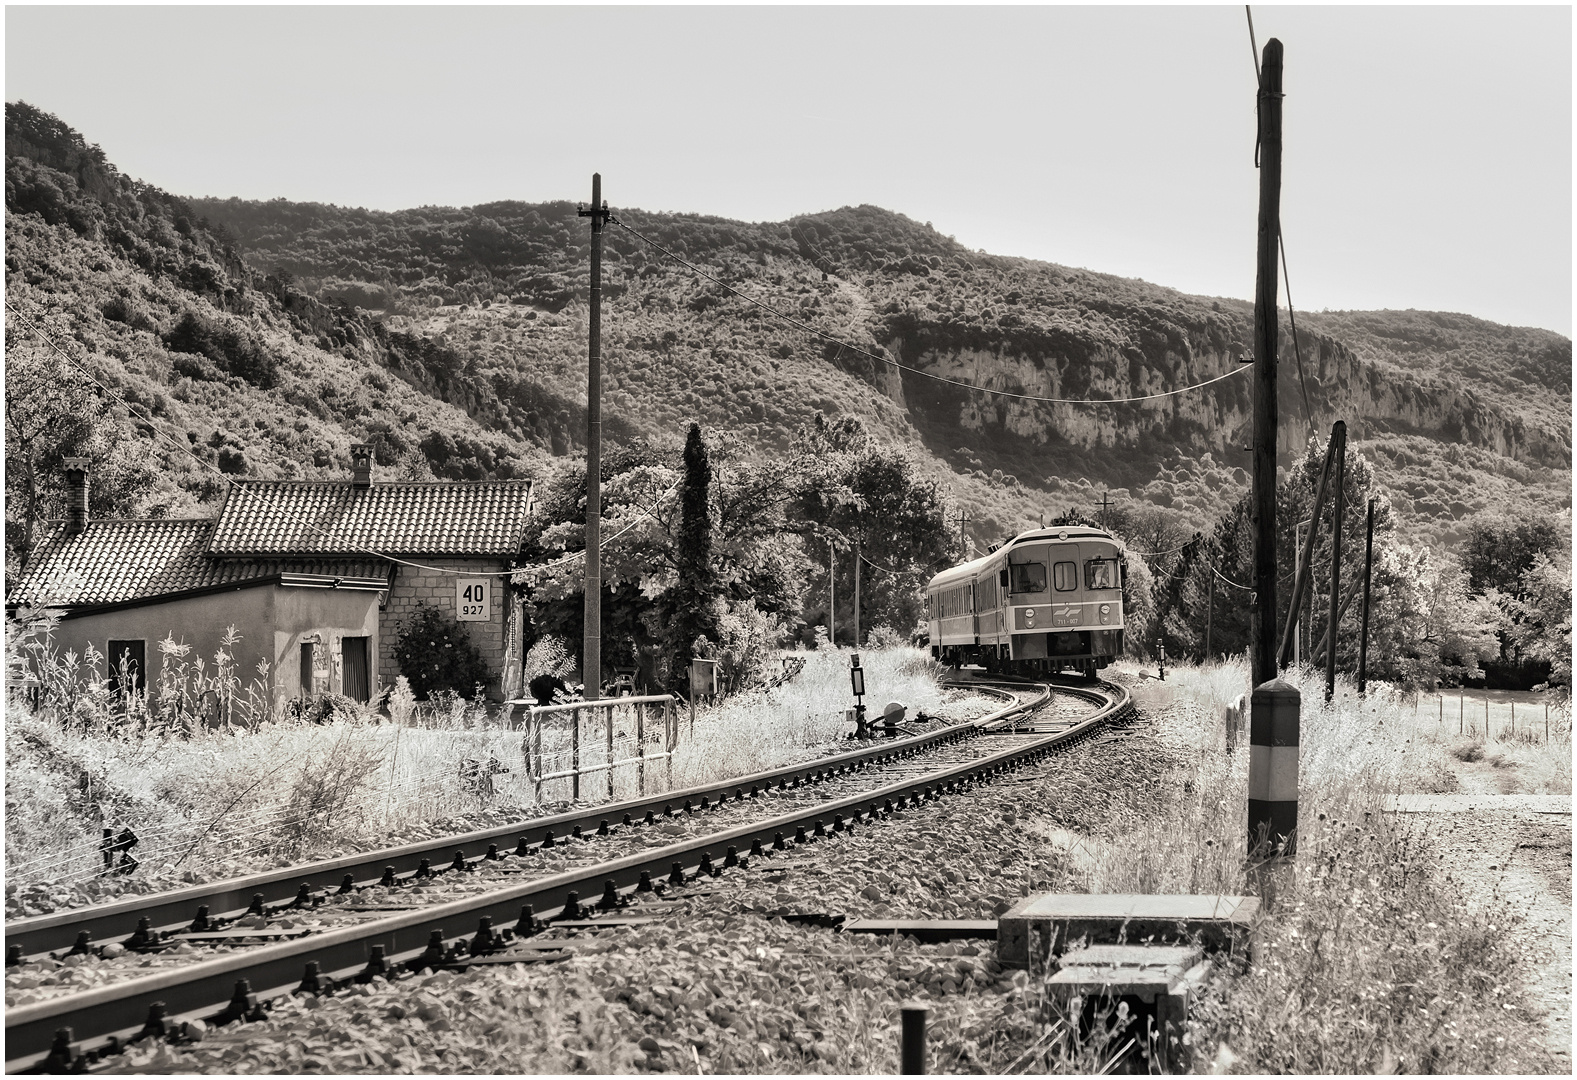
(175, 909)
(120, 1010)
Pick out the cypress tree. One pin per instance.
(694, 613)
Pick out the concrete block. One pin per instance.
(1040, 927)
(1156, 982)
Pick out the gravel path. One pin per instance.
(1525, 859)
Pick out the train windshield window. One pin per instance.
(1100, 574)
(1028, 577)
(1066, 576)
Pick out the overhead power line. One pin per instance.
(791, 320)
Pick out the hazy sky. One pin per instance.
(1428, 150)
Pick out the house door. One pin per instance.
(357, 685)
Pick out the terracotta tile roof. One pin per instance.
(430, 519)
(116, 560)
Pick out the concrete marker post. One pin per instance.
(912, 1049)
(1273, 768)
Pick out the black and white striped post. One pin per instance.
(1273, 769)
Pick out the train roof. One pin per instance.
(967, 571)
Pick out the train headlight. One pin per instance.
(1106, 609)
(1029, 613)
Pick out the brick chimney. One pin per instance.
(76, 495)
(361, 465)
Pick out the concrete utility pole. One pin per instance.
(591, 648)
(1263, 510)
(1363, 634)
(1338, 468)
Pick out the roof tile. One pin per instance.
(115, 560)
(429, 519)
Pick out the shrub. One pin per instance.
(435, 654)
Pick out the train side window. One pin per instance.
(1100, 574)
(1065, 575)
(1028, 577)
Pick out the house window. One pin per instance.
(306, 669)
(128, 665)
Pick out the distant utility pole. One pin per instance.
(1263, 511)
(1210, 610)
(963, 541)
(857, 559)
(1363, 634)
(1338, 469)
(591, 649)
(1104, 507)
(832, 594)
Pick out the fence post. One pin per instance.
(535, 736)
(574, 751)
(610, 751)
(640, 748)
(1273, 767)
(670, 738)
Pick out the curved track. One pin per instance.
(99, 1017)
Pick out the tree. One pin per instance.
(52, 412)
(861, 495)
(1500, 549)
(693, 600)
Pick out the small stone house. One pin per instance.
(316, 577)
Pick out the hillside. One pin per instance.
(500, 282)
(270, 336)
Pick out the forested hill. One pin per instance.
(272, 335)
(680, 346)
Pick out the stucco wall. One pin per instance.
(329, 615)
(198, 621)
(271, 621)
(496, 638)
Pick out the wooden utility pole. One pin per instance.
(832, 594)
(591, 646)
(963, 541)
(1263, 512)
(1363, 634)
(1338, 470)
(1305, 563)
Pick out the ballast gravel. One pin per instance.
(722, 981)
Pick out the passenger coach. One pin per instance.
(1048, 600)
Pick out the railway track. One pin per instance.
(361, 913)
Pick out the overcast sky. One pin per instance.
(1427, 164)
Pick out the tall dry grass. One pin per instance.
(762, 730)
(209, 803)
(1367, 959)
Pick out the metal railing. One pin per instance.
(561, 741)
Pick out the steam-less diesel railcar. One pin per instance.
(1048, 600)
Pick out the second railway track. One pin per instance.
(689, 833)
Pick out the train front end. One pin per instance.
(1063, 600)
